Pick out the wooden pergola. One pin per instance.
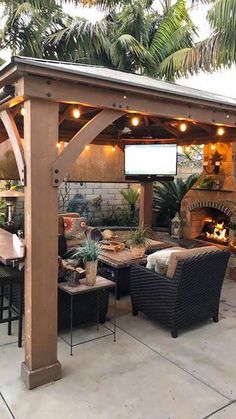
(107, 99)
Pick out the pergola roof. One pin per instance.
(161, 105)
(119, 78)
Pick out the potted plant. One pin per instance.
(89, 252)
(206, 182)
(139, 240)
(232, 241)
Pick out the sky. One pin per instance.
(220, 82)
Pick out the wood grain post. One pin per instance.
(145, 211)
(41, 233)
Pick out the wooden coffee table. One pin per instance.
(117, 266)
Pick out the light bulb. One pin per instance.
(135, 121)
(22, 111)
(76, 113)
(113, 148)
(58, 145)
(183, 127)
(213, 147)
(86, 147)
(220, 131)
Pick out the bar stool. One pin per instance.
(10, 277)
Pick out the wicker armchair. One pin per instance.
(191, 296)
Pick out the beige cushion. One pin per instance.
(159, 260)
(186, 253)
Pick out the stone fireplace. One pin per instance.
(210, 210)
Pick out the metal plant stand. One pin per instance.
(82, 288)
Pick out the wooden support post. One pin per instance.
(41, 233)
(145, 211)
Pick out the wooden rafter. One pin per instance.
(14, 137)
(83, 137)
(164, 125)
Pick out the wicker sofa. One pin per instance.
(191, 296)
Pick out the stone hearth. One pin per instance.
(198, 202)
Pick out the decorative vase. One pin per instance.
(137, 251)
(91, 272)
(74, 278)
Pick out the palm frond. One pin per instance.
(172, 20)
(168, 195)
(222, 16)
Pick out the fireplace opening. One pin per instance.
(215, 227)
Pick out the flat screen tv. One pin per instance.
(150, 160)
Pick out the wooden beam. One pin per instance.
(41, 236)
(83, 137)
(14, 137)
(98, 97)
(164, 125)
(63, 116)
(145, 210)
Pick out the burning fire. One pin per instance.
(219, 232)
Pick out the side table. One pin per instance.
(82, 288)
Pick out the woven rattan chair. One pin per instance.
(191, 296)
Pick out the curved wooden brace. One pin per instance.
(14, 137)
(83, 137)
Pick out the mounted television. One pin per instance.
(150, 160)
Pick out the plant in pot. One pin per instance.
(89, 252)
(139, 239)
(232, 241)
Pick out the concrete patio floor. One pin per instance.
(144, 375)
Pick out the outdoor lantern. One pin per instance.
(10, 196)
(176, 227)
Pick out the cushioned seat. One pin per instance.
(192, 295)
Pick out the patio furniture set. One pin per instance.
(182, 289)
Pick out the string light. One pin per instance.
(76, 113)
(213, 147)
(87, 147)
(183, 127)
(58, 145)
(22, 111)
(113, 148)
(220, 131)
(135, 121)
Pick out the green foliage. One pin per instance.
(2, 211)
(89, 252)
(140, 236)
(168, 195)
(206, 182)
(131, 195)
(217, 50)
(132, 36)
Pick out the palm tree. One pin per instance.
(167, 196)
(131, 196)
(133, 37)
(26, 24)
(218, 50)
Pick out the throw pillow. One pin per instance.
(185, 253)
(158, 261)
(74, 227)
